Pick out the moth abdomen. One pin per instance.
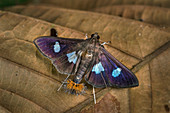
(80, 73)
(82, 68)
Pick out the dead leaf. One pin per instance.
(108, 104)
(28, 81)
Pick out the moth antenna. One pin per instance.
(108, 42)
(94, 95)
(63, 82)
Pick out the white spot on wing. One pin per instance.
(116, 72)
(97, 68)
(56, 47)
(72, 57)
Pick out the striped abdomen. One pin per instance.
(83, 66)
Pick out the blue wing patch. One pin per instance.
(116, 72)
(56, 47)
(98, 68)
(72, 57)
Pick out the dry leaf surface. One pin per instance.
(124, 34)
(28, 81)
(108, 101)
(154, 15)
(28, 77)
(90, 4)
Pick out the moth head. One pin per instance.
(95, 35)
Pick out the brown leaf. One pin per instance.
(154, 15)
(28, 81)
(89, 4)
(132, 37)
(160, 88)
(22, 89)
(17, 37)
(154, 90)
(108, 104)
(140, 97)
(4, 110)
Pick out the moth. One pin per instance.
(85, 58)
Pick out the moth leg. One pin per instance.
(63, 82)
(94, 95)
(108, 42)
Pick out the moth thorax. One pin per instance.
(89, 55)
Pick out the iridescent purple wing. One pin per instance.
(108, 71)
(97, 76)
(63, 52)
